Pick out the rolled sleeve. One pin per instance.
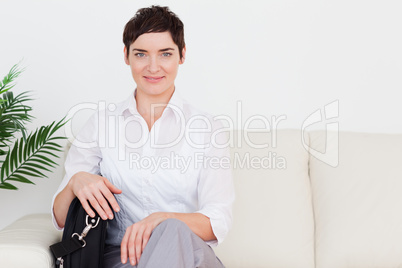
(215, 188)
(84, 155)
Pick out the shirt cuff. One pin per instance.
(219, 225)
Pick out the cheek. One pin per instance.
(137, 68)
(171, 67)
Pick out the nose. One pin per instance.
(153, 65)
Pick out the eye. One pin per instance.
(139, 55)
(166, 54)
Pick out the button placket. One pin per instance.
(147, 186)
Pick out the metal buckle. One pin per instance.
(60, 262)
(92, 221)
(84, 233)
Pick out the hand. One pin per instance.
(98, 191)
(137, 237)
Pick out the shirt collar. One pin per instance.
(175, 105)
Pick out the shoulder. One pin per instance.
(203, 127)
(196, 116)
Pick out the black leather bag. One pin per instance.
(83, 241)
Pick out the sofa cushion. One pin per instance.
(273, 219)
(358, 204)
(25, 243)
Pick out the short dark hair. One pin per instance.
(154, 19)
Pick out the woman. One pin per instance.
(149, 157)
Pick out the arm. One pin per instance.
(197, 222)
(81, 165)
(60, 206)
(89, 188)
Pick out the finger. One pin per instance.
(145, 238)
(111, 187)
(123, 246)
(104, 204)
(131, 245)
(95, 204)
(111, 199)
(86, 207)
(138, 243)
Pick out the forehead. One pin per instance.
(154, 41)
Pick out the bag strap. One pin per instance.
(76, 241)
(66, 247)
(73, 250)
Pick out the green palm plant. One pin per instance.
(30, 155)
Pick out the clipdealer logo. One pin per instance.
(115, 123)
(329, 115)
(199, 160)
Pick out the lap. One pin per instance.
(172, 239)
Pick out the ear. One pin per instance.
(125, 56)
(184, 56)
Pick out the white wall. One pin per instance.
(275, 57)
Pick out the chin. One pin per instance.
(156, 90)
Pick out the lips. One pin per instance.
(153, 79)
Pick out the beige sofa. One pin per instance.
(312, 199)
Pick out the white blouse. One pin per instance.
(181, 165)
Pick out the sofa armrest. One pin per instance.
(25, 243)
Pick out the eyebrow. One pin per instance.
(160, 50)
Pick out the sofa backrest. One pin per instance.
(273, 216)
(358, 203)
(338, 202)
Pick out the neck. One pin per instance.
(151, 107)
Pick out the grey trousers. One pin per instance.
(172, 245)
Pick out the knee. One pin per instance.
(172, 224)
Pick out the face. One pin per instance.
(154, 60)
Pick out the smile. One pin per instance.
(153, 79)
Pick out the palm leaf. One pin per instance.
(29, 157)
(7, 82)
(13, 115)
(7, 186)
